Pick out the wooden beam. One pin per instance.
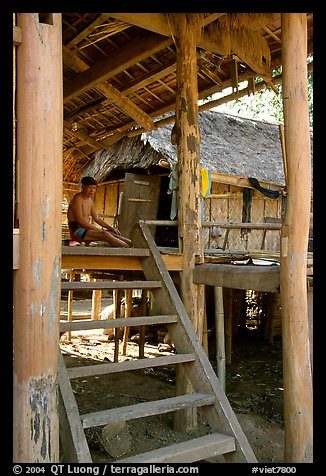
(142, 47)
(297, 375)
(126, 105)
(113, 94)
(160, 23)
(89, 29)
(82, 136)
(257, 278)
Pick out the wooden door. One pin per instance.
(139, 201)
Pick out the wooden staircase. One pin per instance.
(226, 437)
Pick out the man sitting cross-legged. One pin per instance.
(81, 209)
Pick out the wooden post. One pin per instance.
(37, 281)
(270, 302)
(189, 206)
(220, 335)
(96, 301)
(297, 375)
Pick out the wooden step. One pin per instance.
(101, 369)
(145, 409)
(111, 285)
(88, 324)
(189, 451)
(104, 251)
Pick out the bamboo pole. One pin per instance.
(297, 376)
(142, 329)
(37, 281)
(220, 335)
(228, 325)
(70, 304)
(117, 297)
(128, 314)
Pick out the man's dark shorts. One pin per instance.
(77, 232)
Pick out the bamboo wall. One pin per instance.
(228, 208)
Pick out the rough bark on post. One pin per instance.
(189, 205)
(37, 281)
(297, 376)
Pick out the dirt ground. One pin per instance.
(253, 387)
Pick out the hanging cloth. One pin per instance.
(205, 182)
(173, 189)
(266, 191)
(205, 189)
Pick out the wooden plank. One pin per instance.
(103, 251)
(112, 285)
(189, 451)
(238, 181)
(117, 263)
(114, 367)
(71, 431)
(237, 225)
(258, 278)
(145, 409)
(88, 324)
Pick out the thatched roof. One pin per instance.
(230, 145)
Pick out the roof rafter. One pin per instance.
(104, 69)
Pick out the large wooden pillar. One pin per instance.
(189, 205)
(298, 403)
(37, 281)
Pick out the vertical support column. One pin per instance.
(189, 214)
(298, 399)
(189, 207)
(37, 281)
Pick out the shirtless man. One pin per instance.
(80, 209)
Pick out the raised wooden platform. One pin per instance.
(114, 259)
(257, 278)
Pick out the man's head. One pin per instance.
(88, 181)
(89, 185)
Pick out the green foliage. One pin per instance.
(267, 105)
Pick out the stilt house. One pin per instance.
(84, 82)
